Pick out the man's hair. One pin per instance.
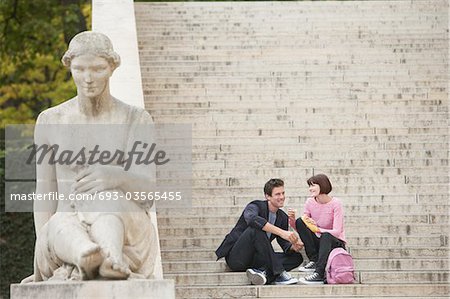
(272, 183)
(323, 182)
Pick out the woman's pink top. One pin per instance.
(329, 217)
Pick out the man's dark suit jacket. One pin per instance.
(256, 215)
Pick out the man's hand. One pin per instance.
(292, 237)
(297, 246)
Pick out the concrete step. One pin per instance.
(351, 230)
(158, 99)
(365, 277)
(340, 176)
(178, 115)
(311, 122)
(404, 291)
(272, 66)
(255, 190)
(211, 179)
(291, 82)
(412, 264)
(439, 163)
(357, 121)
(284, 41)
(317, 81)
(312, 89)
(213, 242)
(241, 199)
(367, 219)
(360, 146)
(206, 121)
(358, 181)
(349, 208)
(358, 100)
(289, 76)
(300, 174)
(330, 140)
(310, 162)
(418, 277)
(363, 252)
(211, 25)
(309, 130)
(396, 46)
(283, 154)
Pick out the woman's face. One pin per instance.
(314, 190)
(91, 74)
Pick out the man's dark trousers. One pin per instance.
(254, 250)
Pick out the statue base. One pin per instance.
(136, 288)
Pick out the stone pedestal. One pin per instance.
(106, 289)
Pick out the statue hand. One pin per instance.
(99, 178)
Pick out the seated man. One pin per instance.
(248, 246)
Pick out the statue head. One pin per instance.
(94, 43)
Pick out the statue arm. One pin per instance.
(45, 179)
(140, 178)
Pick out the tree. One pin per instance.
(33, 37)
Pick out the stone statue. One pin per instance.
(74, 242)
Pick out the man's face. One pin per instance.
(277, 198)
(91, 74)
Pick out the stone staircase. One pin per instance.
(354, 89)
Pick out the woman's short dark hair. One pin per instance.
(323, 182)
(272, 183)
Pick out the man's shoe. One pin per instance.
(256, 277)
(314, 278)
(309, 267)
(284, 279)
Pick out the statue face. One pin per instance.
(91, 75)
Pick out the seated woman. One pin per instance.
(321, 228)
(81, 240)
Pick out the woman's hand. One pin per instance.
(309, 220)
(99, 178)
(311, 224)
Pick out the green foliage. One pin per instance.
(16, 238)
(33, 37)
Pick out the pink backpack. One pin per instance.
(340, 267)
